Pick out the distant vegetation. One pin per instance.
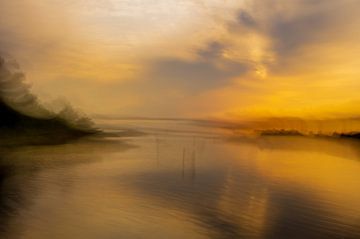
(333, 127)
(282, 132)
(355, 135)
(23, 120)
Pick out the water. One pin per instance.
(181, 181)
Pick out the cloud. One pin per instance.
(209, 70)
(214, 50)
(292, 26)
(291, 33)
(244, 18)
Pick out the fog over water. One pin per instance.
(170, 179)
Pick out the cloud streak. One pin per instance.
(209, 70)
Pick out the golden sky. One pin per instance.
(190, 58)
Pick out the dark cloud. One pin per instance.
(296, 24)
(195, 76)
(212, 51)
(246, 19)
(210, 70)
(293, 33)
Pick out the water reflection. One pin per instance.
(20, 167)
(167, 186)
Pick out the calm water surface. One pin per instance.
(181, 181)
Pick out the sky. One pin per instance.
(228, 59)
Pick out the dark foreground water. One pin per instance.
(181, 184)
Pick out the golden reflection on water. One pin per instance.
(171, 186)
